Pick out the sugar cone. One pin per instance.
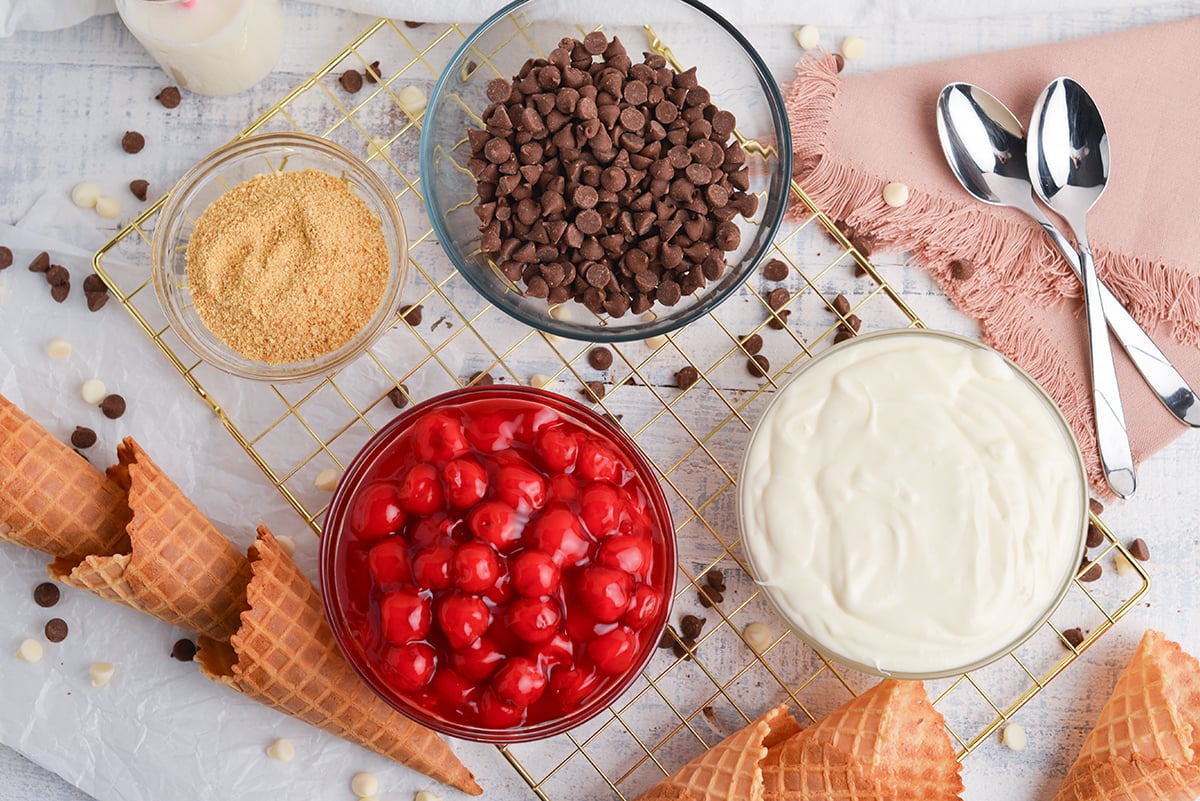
(284, 656)
(1144, 744)
(177, 566)
(730, 770)
(888, 743)
(51, 498)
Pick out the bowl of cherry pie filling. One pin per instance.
(498, 563)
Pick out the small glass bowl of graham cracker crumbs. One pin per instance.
(279, 256)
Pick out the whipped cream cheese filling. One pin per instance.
(912, 502)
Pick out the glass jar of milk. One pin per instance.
(211, 47)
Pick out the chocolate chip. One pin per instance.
(408, 23)
(57, 275)
(96, 300)
(412, 314)
(1073, 636)
(481, 379)
(351, 80)
(1089, 571)
(6, 258)
(775, 270)
(113, 406)
(169, 97)
(686, 377)
(690, 626)
(83, 437)
(139, 188)
(778, 298)
(595, 43)
(373, 73)
(752, 344)
(594, 390)
(716, 579)
(60, 292)
(133, 142)
(962, 269)
(667, 640)
(40, 263)
(1095, 506)
(758, 365)
(94, 283)
(1094, 537)
(56, 629)
(184, 650)
(1139, 550)
(842, 335)
(841, 305)
(839, 62)
(600, 358)
(46, 594)
(398, 396)
(853, 322)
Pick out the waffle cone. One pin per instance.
(177, 566)
(730, 770)
(1144, 745)
(284, 656)
(887, 744)
(51, 498)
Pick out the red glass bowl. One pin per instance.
(352, 598)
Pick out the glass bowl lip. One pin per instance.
(289, 371)
(337, 509)
(1080, 471)
(661, 324)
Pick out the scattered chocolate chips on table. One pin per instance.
(600, 358)
(690, 626)
(96, 292)
(184, 650)
(687, 377)
(46, 594)
(40, 263)
(751, 344)
(169, 97)
(113, 406)
(758, 365)
(351, 80)
(841, 305)
(1091, 571)
(775, 270)
(57, 275)
(398, 396)
(1094, 537)
(481, 379)
(59, 292)
(6, 258)
(1095, 507)
(1073, 636)
(56, 629)
(413, 314)
(373, 74)
(83, 437)
(140, 188)
(133, 142)
(408, 23)
(611, 183)
(1139, 550)
(594, 390)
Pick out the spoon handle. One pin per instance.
(1112, 437)
(1161, 376)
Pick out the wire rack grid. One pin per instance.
(690, 696)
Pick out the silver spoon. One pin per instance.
(985, 146)
(1068, 162)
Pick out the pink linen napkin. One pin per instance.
(852, 136)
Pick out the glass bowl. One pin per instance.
(362, 568)
(861, 519)
(224, 169)
(727, 65)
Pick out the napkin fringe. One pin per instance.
(1013, 263)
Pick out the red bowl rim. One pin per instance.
(336, 512)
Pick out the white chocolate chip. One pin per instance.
(286, 544)
(853, 47)
(379, 147)
(85, 194)
(1123, 566)
(282, 750)
(425, 795)
(58, 348)
(327, 479)
(30, 651)
(757, 636)
(1013, 736)
(656, 342)
(412, 100)
(93, 391)
(540, 381)
(101, 673)
(808, 37)
(108, 207)
(364, 785)
(895, 194)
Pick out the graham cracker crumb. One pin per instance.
(287, 266)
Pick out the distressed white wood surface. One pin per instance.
(64, 96)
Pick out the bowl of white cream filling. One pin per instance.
(913, 504)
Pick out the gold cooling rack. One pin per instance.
(682, 703)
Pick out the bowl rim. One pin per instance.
(661, 324)
(831, 652)
(241, 147)
(332, 603)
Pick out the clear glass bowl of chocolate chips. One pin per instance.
(597, 187)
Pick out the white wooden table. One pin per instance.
(66, 97)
